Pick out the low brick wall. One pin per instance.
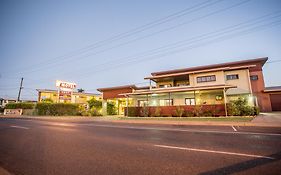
(169, 111)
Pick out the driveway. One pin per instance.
(272, 118)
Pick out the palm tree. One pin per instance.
(81, 90)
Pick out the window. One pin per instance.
(166, 102)
(142, 103)
(232, 77)
(206, 79)
(254, 77)
(189, 101)
(164, 85)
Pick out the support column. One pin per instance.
(225, 106)
(147, 100)
(169, 98)
(104, 107)
(194, 97)
(127, 106)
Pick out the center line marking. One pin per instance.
(21, 127)
(216, 152)
(234, 128)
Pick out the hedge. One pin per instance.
(23, 105)
(57, 109)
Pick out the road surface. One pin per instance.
(61, 147)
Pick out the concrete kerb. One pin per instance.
(114, 119)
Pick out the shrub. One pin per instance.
(23, 105)
(179, 111)
(207, 113)
(157, 112)
(95, 103)
(197, 110)
(1, 110)
(57, 109)
(189, 113)
(144, 111)
(131, 111)
(95, 112)
(111, 108)
(240, 107)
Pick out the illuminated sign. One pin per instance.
(65, 89)
(66, 85)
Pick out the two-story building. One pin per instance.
(208, 86)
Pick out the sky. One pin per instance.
(105, 43)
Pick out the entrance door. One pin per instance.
(275, 102)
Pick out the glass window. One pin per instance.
(166, 102)
(190, 101)
(254, 77)
(165, 85)
(232, 77)
(142, 103)
(206, 79)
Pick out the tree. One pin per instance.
(95, 103)
(81, 90)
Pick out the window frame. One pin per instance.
(145, 102)
(204, 79)
(232, 77)
(254, 79)
(171, 103)
(190, 101)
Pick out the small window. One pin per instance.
(206, 79)
(166, 102)
(254, 77)
(143, 103)
(164, 85)
(190, 101)
(232, 77)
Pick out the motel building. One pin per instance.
(66, 93)
(74, 97)
(210, 87)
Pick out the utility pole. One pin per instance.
(20, 89)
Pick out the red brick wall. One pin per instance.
(170, 110)
(258, 87)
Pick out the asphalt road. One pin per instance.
(79, 147)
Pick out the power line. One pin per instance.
(152, 34)
(192, 40)
(131, 32)
(159, 56)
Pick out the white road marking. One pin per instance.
(234, 128)
(215, 152)
(21, 127)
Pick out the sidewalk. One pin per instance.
(262, 120)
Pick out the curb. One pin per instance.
(149, 122)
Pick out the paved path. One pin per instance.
(78, 147)
(273, 118)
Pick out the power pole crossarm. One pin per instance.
(21, 82)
